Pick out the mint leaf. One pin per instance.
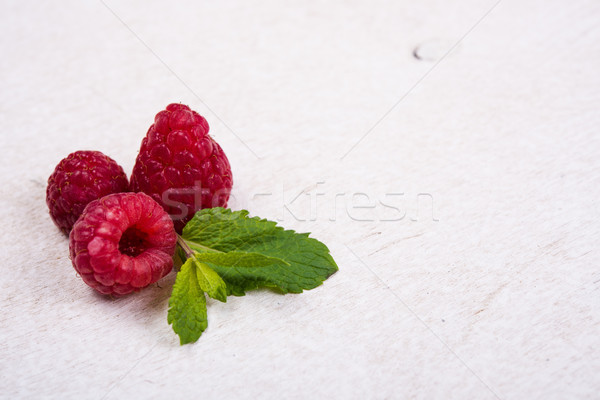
(252, 269)
(187, 305)
(291, 262)
(210, 281)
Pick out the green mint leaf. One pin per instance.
(187, 305)
(291, 262)
(210, 281)
(253, 269)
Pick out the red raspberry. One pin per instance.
(79, 178)
(122, 242)
(181, 166)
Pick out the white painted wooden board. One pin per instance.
(482, 283)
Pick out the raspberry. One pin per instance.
(180, 166)
(122, 242)
(79, 178)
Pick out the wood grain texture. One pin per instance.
(465, 224)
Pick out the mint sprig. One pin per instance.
(228, 252)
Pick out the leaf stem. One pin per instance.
(184, 246)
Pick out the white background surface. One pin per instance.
(490, 291)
